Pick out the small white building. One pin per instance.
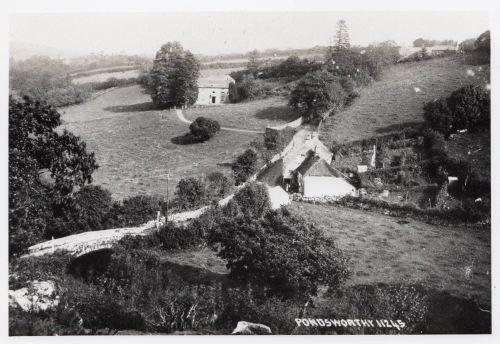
(213, 90)
(316, 178)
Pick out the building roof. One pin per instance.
(314, 165)
(222, 81)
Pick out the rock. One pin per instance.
(39, 296)
(244, 327)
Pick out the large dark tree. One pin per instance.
(44, 167)
(174, 76)
(317, 93)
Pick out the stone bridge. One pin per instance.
(83, 243)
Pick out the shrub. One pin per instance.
(218, 185)
(439, 117)
(470, 106)
(173, 237)
(204, 128)
(250, 88)
(395, 302)
(43, 268)
(466, 108)
(280, 252)
(434, 143)
(91, 206)
(277, 140)
(253, 199)
(233, 94)
(244, 166)
(133, 211)
(190, 192)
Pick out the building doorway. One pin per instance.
(213, 99)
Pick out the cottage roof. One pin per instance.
(222, 81)
(314, 165)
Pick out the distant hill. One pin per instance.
(22, 50)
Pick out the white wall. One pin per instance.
(327, 186)
(205, 95)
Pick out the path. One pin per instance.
(180, 115)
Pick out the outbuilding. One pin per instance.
(213, 90)
(316, 178)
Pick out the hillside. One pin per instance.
(396, 100)
(136, 144)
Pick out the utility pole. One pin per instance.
(166, 210)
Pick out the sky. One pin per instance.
(214, 33)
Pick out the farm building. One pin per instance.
(316, 178)
(213, 90)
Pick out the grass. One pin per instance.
(474, 148)
(103, 76)
(134, 148)
(393, 102)
(257, 114)
(386, 250)
(383, 250)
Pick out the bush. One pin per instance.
(391, 302)
(133, 211)
(114, 82)
(173, 237)
(439, 117)
(250, 88)
(470, 106)
(253, 199)
(244, 166)
(434, 143)
(280, 252)
(218, 185)
(190, 192)
(466, 108)
(277, 140)
(204, 128)
(291, 68)
(92, 204)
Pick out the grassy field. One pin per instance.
(396, 101)
(385, 249)
(257, 114)
(134, 148)
(100, 77)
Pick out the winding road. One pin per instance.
(180, 115)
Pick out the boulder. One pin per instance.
(244, 327)
(38, 296)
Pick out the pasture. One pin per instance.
(103, 76)
(385, 249)
(256, 114)
(396, 101)
(389, 250)
(134, 147)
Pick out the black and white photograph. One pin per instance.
(248, 172)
